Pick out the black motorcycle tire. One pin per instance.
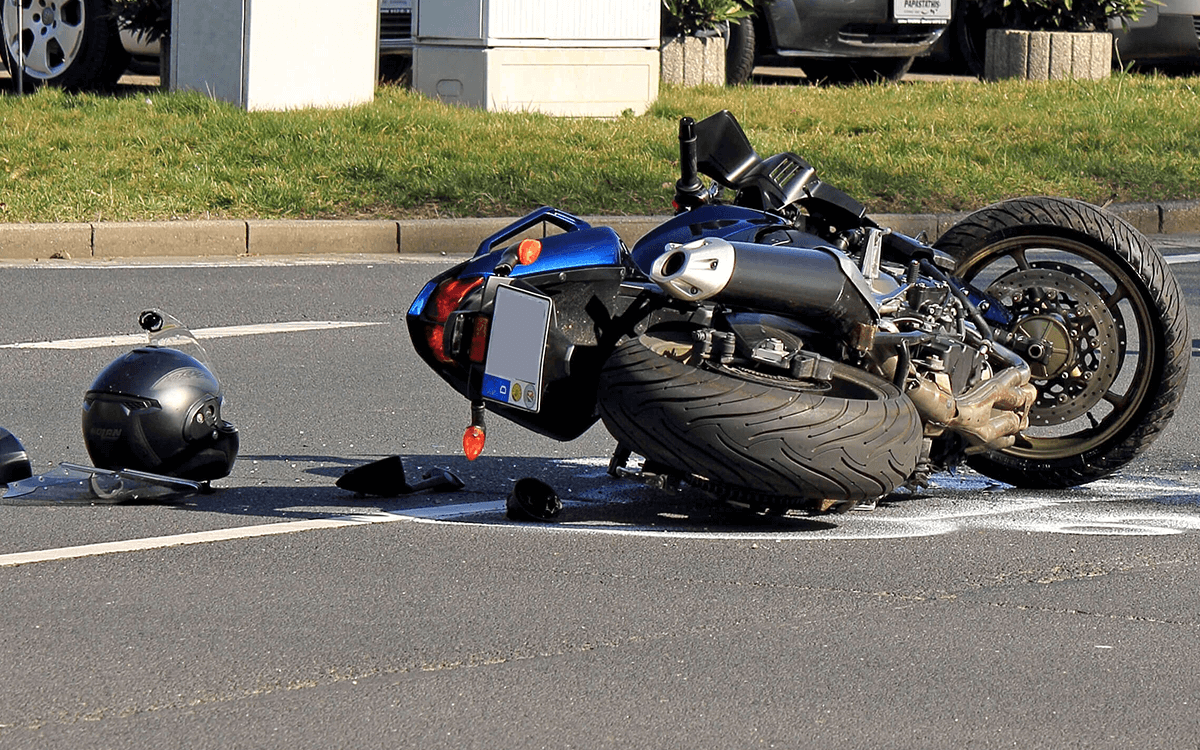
(857, 439)
(1155, 364)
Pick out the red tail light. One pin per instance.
(479, 339)
(448, 296)
(445, 300)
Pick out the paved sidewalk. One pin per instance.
(230, 238)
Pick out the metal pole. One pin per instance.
(20, 47)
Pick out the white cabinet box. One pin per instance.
(276, 54)
(569, 57)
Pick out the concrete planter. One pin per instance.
(693, 60)
(1047, 55)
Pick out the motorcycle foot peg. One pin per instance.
(533, 500)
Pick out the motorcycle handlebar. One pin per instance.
(689, 187)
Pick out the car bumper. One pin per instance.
(866, 40)
(1174, 38)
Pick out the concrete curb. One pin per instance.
(234, 238)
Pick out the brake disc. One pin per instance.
(1072, 340)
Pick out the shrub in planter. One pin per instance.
(150, 18)
(1052, 39)
(693, 47)
(1059, 15)
(700, 17)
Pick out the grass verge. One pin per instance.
(913, 147)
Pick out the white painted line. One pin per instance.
(438, 512)
(198, 537)
(199, 333)
(1185, 258)
(441, 512)
(241, 261)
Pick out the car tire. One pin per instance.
(739, 52)
(72, 44)
(968, 37)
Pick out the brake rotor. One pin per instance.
(1072, 340)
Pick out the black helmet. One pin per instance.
(158, 410)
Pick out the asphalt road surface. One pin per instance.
(281, 611)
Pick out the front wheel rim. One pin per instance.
(1140, 353)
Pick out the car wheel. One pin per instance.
(968, 36)
(739, 52)
(73, 44)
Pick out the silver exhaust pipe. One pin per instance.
(802, 281)
(695, 271)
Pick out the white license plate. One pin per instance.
(512, 373)
(921, 11)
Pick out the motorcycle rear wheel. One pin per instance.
(790, 443)
(1112, 318)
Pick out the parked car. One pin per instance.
(836, 40)
(76, 44)
(1167, 33)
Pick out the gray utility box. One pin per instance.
(569, 57)
(276, 54)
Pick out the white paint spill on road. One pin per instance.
(1116, 507)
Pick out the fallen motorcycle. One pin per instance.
(778, 348)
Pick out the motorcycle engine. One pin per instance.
(933, 345)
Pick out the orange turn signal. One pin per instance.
(528, 251)
(473, 440)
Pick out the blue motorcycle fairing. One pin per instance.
(581, 260)
(732, 223)
(586, 248)
(595, 247)
(544, 215)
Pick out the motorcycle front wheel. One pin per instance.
(782, 442)
(1101, 321)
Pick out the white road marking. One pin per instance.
(441, 513)
(198, 537)
(199, 333)
(1185, 258)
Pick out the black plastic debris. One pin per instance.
(385, 478)
(533, 500)
(14, 461)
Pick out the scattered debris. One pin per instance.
(533, 500)
(385, 478)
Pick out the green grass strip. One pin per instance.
(912, 147)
